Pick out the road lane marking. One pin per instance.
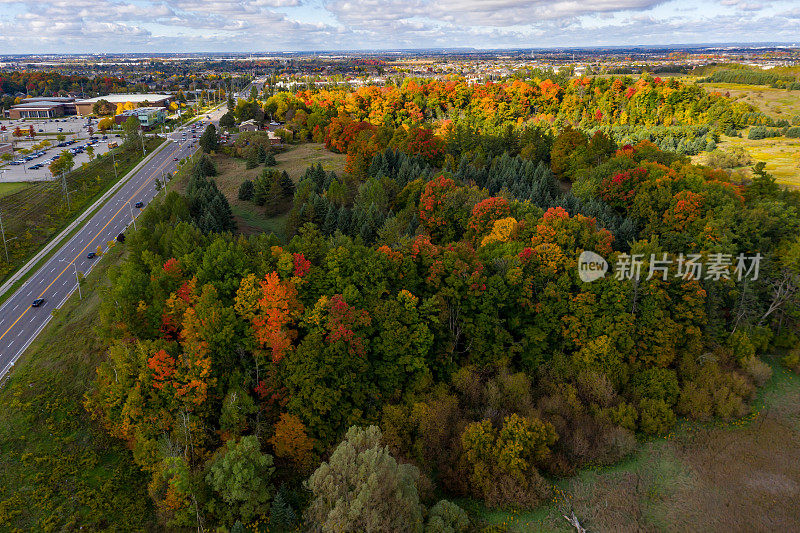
(89, 244)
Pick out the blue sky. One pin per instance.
(48, 26)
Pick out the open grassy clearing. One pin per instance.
(233, 171)
(777, 103)
(59, 471)
(782, 156)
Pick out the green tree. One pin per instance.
(63, 164)
(208, 140)
(363, 488)
(227, 120)
(242, 476)
(246, 190)
(131, 130)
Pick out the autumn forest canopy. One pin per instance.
(423, 321)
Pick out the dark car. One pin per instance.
(121, 237)
(138, 205)
(91, 255)
(38, 302)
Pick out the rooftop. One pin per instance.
(123, 98)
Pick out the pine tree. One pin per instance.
(287, 184)
(273, 201)
(246, 190)
(281, 515)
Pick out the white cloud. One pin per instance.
(241, 25)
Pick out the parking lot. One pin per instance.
(36, 167)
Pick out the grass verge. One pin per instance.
(59, 471)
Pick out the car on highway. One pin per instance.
(91, 255)
(38, 302)
(174, 158)
(138, 205)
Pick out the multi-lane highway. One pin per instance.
(20, 323)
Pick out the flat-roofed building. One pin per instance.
(86, 107)
(42, 107)
(148, 116)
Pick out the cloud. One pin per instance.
(263, 25)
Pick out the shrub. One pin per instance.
(447, 517)
(657, 384)
(655, 416)
(792, 360)
(758, 370)
(735, 157)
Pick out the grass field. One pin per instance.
(59, 471)
(232, 172)
(11, 188)
(781, 155)
(777, 103)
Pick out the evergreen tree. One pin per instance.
(246, 190)
(287, 184)
(208, 140)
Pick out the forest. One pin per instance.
(423, 336)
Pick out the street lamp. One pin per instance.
(133, 218)
(77, 279)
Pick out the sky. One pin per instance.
(81, 26)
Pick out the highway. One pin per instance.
(55, 281)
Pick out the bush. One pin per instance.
(792, 360)
(793, 133)
(735, 157)
(758, 370)
(657, 384)
(655, 416)
(447, 517)
(763, 132)
(246, 190)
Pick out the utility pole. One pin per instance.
(64, 185)
(3, 231)
(114, 161)
(141, 130)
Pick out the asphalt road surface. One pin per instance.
(55, 280)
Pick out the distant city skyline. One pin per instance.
(83, 26)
